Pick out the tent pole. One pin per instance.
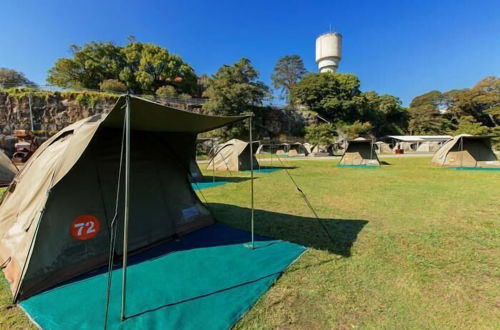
(126, 208)
(252, 245)
(213, 162)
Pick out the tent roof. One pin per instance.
(419, 138)
(150, 116)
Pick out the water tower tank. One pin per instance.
(328, 51)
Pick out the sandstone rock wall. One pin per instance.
(52, 111)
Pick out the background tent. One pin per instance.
(296, 149)
(360, 152)
(466, 151)
(56, 216)
(384, 148)
(428, 146)
(7, 170)
(234, 155)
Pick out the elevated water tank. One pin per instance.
(328, 51)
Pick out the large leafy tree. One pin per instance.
(482, 102)
(479, 106)
(149, 67)
(425, 119)
(13, 78)
(321, 134)
(469, 125)
(235, 89)
(384, 112)
(287, 72)
(89, 66)
(337, 96)
(142, 67)
(330, 94)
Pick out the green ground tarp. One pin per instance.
(206, 185)
(206, 280)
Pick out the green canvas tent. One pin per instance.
(467, 151)
(56, 216)
(7, 170)
(360, 152)
(234, 155)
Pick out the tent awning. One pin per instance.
(150, 116)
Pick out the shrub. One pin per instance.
(112, 85)
(166, 91)
(185, 96)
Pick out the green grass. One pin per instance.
(413, 246)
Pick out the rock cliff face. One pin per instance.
(51, 111)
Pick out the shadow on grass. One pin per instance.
(382, 162)
(302, 230)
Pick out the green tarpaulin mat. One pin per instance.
(359, 166)
(206, 280)
(206, 185)
(476, 168)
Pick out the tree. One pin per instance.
(13, 78)
(433, 98)
(142, 67)
(355, 129)
(235, 89)
(469, 125)
(321, 134)
(149, 67)
(287, 72)
(330, 94)
(91, 64)
(425, 119)
(384, 112)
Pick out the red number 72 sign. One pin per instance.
(85, 227)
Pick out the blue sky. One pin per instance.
(403, 48)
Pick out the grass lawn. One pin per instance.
(413, 246)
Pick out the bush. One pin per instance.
(321, 134)
(113, 85)
(185, 96)
(166, 92)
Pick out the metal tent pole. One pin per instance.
(251, 182)
(126, 208)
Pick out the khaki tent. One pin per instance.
(384, 148)
(7, 170)
(55, 218)
(428, 146)
(297, 149)
(234, 155)
(466, 151)
(360, 152)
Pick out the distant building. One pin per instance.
(328, 51)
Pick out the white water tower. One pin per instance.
(328, 51)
